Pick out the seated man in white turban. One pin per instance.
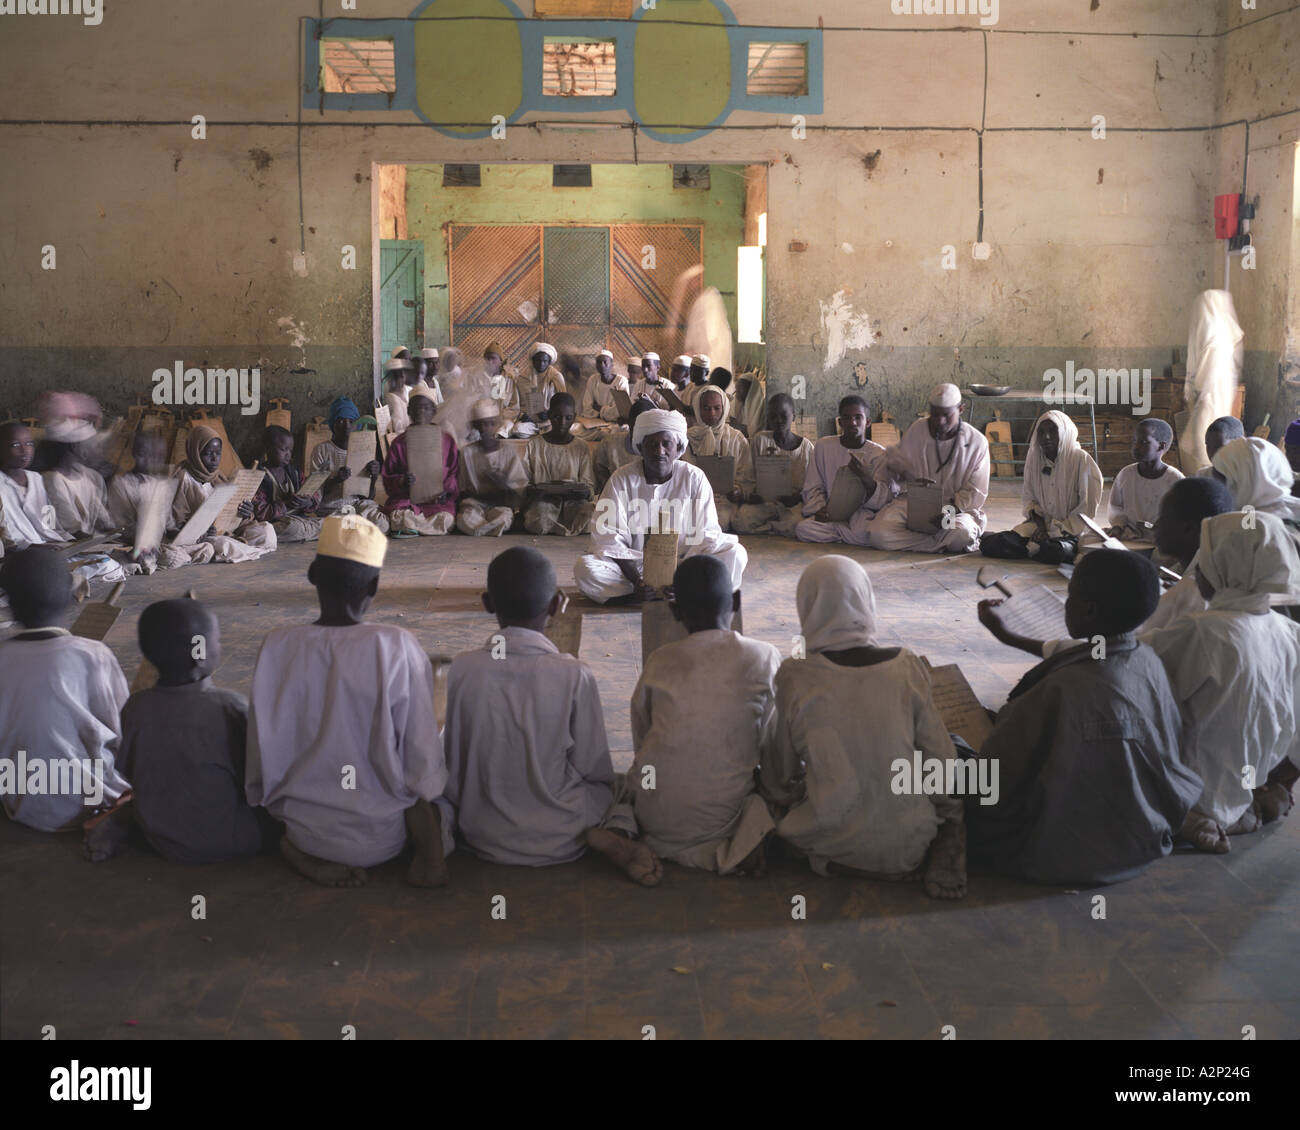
(531, 396)
(950, 453)
(656, 491)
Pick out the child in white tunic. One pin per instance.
(75, 490)
(494, 477)
(343, 743)
(714, 436)
(1235, 671)
(851, 449)
(26, 516)
(1138, 489)
(195, 480)
(529, 765)
(832, 763)
(560, 477)
(60, 701)
(598, 394)
(781, 515)
(702, 719)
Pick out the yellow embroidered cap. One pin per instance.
(352, 538)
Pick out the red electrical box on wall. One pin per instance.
(1226, 215)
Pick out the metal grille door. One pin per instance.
(582, 288)
(496, 288)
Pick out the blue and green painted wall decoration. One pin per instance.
(681, 67)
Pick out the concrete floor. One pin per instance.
(1196, 948)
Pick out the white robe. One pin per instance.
(1134, 499)
(1070, 487)
(527, 758)
(598, 397)
(960, 466)
(254, 540)
(473, 516)
(60, 702)
(704, 747)
(549, 382)
(723, 440)
(328, 456)
(26, 516)
(829, 455)
(78, 497)
(346, 704)
(1235, 668)
(629, 506)
(1215, 351)
(650, 391)
(774, 517)
(845, 811)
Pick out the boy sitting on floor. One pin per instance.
(561, 481)
(277, 500)
(1138, 488)
(332, 455)
(851, 449)
(343, 743)
(493, 476)
(60, 699)
(183, 743)
(26, 516)
(438, 514)
(704, 746)
(1092, 787)
(780, 515)
(530, 774)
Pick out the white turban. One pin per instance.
(945, 396)
(70, 429)
(659, 420)
(547, 348)
(1258, 475)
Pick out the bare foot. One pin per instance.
(1204, 834)
(106, 832)
(424, 826)
(322, 871)
(1274, 802)
(632, 857)
(1248, 821)
(945, 867)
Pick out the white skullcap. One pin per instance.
(651, 356)
(684, 361)
(400, 349)
(945, 396)
(484, 409)
(428, 353)
(397, 364)
(659, 420)
(547, 348)
(605, 353)
(634, 361)
(701, 359)
(424, 390)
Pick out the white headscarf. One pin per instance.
(1258, 475)
(837, 608)
(659, 420)
(1245, 561)
(705, 440)
(1214, 323)
(1053, 493)
(547, 348)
